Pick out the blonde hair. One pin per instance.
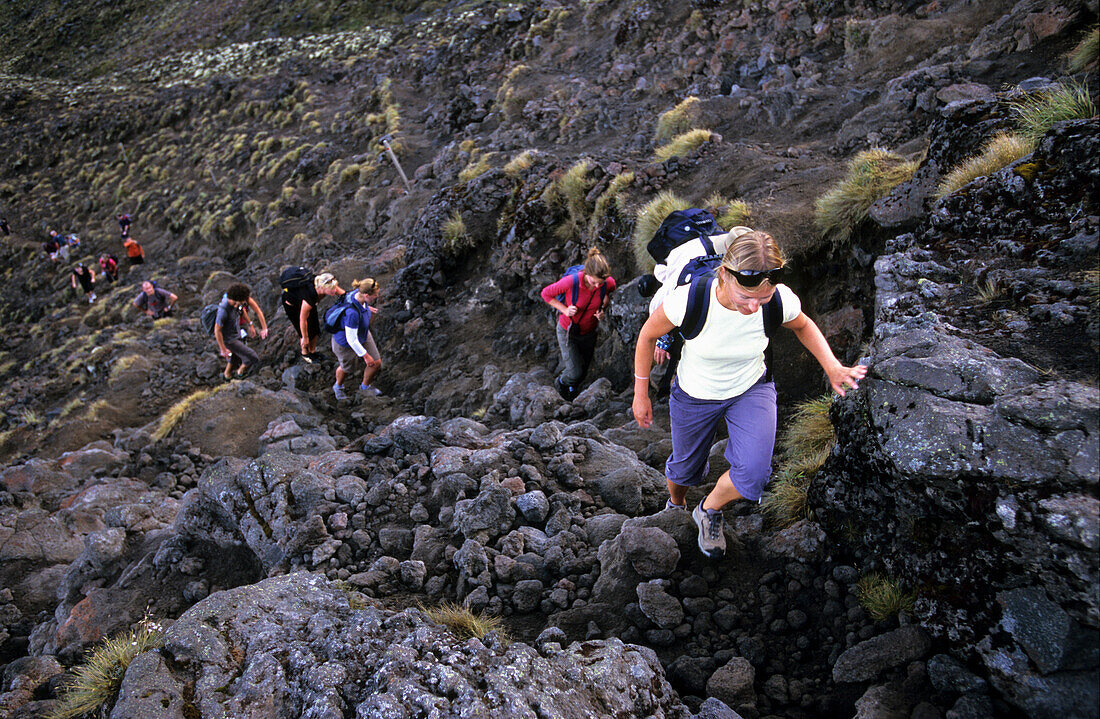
(596, 264)
(754, 250)
(325, 279)
(367, 285)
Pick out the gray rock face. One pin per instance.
(292, 646)
(869, 658)
(733, 683)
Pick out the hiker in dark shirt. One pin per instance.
(300, 305)
(228, 333)
(4, 226)
(155, 301)
(86, 277)
(124, 224)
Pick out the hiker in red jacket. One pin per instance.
(581, 298)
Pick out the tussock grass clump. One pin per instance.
(729, 213)
(681, 118)
(611, 198)
(1086, 55)
(455, 236)
(682, 145)
(520, 163)
(805, 446)
(882, 597)
(461, 620)
(987, 293)
(785, 502)
(570, 190)
(1035, 114)
(1000, 151)
(810, 436)
(871, 175)
(648, 220)
(96, 682)
(478, 165)
(179, 410)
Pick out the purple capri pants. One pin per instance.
(750, 420)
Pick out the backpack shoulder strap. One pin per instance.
(773, 317)
(697, 306)
(707, 244)
(575, 293)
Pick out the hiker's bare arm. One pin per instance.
(220, 339)
(811, 338)
(303, 324)
(259, 315)
(657, 325)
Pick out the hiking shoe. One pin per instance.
(339, 392)
(712, 534)
(366, 388)
(670, 505)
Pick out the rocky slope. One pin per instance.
(282, 530)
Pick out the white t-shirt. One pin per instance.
(727, 356)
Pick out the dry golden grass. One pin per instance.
(682, 145)
(999, 152)
(478, 165)
(611, 197)
(809, 437)
(179, 410)
(871, 175)
(729, 213)
(785, 502)
(1086, 54)
(570, 190)
(462, 621)
(683, 117)
(649, 218)
(455, 236)
(520, 163)
(97, 680)
(882, 597)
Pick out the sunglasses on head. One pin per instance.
(753, 278)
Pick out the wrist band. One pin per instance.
(637, 377)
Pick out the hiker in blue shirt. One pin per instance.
(354, 339)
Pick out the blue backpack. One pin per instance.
(677, 228)
(575, 292)
(700, 273)
(334, 316)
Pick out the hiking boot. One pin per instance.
(367, 389)
(712, 534)
(339, 392)
(670, 505)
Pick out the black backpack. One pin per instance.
(700, 273)
(679, 227)
(294, 277)
(208, 316)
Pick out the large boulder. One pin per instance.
(294, 646)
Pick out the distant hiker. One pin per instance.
(86, 277)
(52, 245)
(301, 294)
(723, 376)
(135, 253)
(109, 264)
(4, 226)
(124, 224)
(588, 289)
(229, 330)
(352, 338)
(155, 301)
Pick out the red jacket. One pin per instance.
(588, 302)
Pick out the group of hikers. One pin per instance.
(233, 320)
(716, 301)
(59, 248)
